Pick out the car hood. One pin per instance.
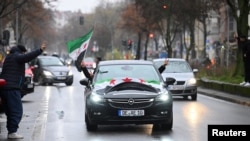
(128, 87)
(56, 68)
(178, 76)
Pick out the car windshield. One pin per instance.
(51, 61)
(175, 66)
(145, 72)
(89, 59)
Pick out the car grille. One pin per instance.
(60, 73)
(180, 82)
(127, 103)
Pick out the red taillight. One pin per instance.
(2, 82)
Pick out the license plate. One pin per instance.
(30, 86)
(176, 87)
(61, 77)
(130, 113)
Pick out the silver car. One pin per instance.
(180, 69)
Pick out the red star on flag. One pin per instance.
(142, 81)
(85, 46)
(112, 82)
(127, 79)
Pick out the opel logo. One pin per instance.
(131, 101)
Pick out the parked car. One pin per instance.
(127, 92)
(180, 69)
(50, 69)
(28, 86)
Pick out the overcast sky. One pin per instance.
(85, 6)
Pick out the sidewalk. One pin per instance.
(224, 96)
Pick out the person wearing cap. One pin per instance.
(13, 71)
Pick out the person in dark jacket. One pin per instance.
(13, 72)
(85, 70)
(244, 43)
(163, 66)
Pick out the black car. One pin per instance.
(127, 92)
(50, 69)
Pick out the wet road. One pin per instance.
(56, 113)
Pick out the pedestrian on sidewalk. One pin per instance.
(13, 72)
(245, 45)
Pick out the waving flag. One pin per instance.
(77, 46)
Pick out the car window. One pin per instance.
(145, 72)
(175, 66)
(51, 61)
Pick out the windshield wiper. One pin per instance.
(102, 71)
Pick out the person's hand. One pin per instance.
(165, 62)
(44, 45)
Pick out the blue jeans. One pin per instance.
(12, 104)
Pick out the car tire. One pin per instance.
(169, 125)
(69, 83)
(89, 126)
(194, 97)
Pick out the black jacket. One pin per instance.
(13, 70)
(161, 68)
(87, 74)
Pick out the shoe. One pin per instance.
(243, 83)
(15, 136)
(247, 84)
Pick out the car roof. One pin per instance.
(170, 59)
(45, 56)
(117, 62)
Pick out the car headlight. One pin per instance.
(191, 81)
(96, 98)
(70, 73)
(47, 73)
(163, 96)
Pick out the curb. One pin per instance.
(226, 97)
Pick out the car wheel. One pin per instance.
(194, 97)
(69, 83)
(89, 126)
(168, 126)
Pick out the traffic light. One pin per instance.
(124, 43)
(151, 35)
(129, 44)
(6, 37)
(81, 20)
(164, 6)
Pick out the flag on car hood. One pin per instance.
(75, 47)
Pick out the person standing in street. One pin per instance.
(13, 72)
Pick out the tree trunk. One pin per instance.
(146, 47)
(138, 50)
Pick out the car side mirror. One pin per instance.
(170, 81)
(84, 82)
